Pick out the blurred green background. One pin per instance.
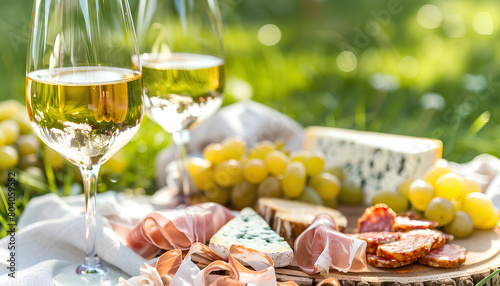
(421, 68)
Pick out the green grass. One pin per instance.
(300, 77)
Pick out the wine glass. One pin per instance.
(182, 57)
(84, 99)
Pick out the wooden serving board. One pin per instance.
(483, 258)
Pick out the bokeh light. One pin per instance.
(433, 100)
(347, 61)
(239, 89)
(269, 35)
(408, 67)
(482, 23)
(429, 16)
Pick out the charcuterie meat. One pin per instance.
(412, 245)
(403, 223)
(374, 239)
(382, 262)
(447, 256)
(378, 218)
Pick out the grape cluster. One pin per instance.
(455, 202)
(19, 147)
(231, 175)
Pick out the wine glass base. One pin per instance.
(67, 275)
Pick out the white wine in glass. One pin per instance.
(84, 100)
(183, 66)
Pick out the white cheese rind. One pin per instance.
(252, 231)
(374, 161)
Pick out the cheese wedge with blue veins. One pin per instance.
(374, 161)
(249, 229)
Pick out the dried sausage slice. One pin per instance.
(382, 262)
(412, 245)
(378, 218)
(447, 256)
(403, 223)
(374, 239)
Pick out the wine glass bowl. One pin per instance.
(182, 57)
(84, 99)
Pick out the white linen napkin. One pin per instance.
(51, 233)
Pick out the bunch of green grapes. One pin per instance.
(232, 174)
(455, 202)
(19, 147)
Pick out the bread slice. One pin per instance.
(250, 230)
(290, 218)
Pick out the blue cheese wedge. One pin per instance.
(374, 161)
(252, 231)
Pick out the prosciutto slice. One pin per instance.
(175, 229)
(321, 247)
(171, 269)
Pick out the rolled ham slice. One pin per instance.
(321, 247)
(175, 228)
(171, 269)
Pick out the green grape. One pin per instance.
(309, 195)
(233, 148)
(420, 194)
(461, 226)
(395, 200)
(440, 210)
(2, 139)
(404, 187)
(300, 155)
(337, 172)
(27, 144)
(260, 150)
(333, 203)
(434, 173)
(313, 161)
(229, 173)
(28, 161)
(203, 179)
(10, 131)
(195, 164)
(24, 124)
(9, 108)
(213, 153)
(450, 186)
(218, 194)
(255, 171)
(481, 209)
(314, 164)
(9, 157)
(471, 186)
(244, 195)
(350, 195)
(326, 185)
(294, 179)
(270, 187)
(276, 162)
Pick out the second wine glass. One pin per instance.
(182, 56)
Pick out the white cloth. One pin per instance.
(51, 233)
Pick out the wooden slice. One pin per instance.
(483, 258)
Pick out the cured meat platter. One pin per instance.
(483, 258)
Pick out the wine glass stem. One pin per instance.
(181, 138)
(91, 263)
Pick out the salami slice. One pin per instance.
(374, 239)
(447, 256)
(382, 262)
(378, 218)
(412, 245)
(403, 223)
